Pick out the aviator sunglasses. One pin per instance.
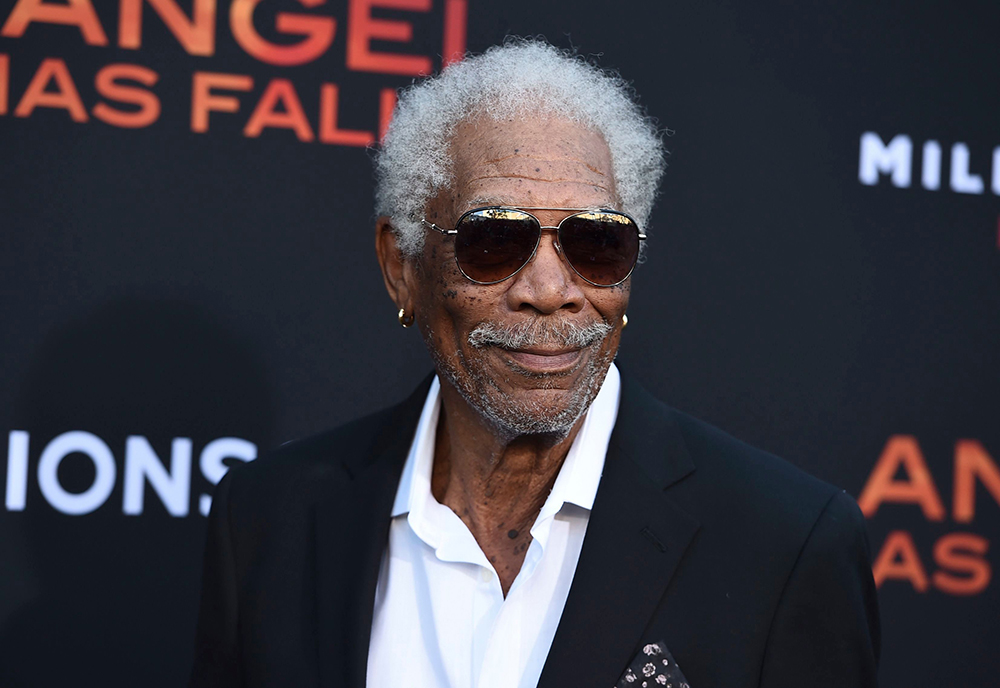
(493, 244)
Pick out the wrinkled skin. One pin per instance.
(495, 479)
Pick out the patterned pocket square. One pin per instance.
(653, 667)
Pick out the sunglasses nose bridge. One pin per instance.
(555, 240)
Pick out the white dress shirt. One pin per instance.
(441, 620)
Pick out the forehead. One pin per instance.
(530, 162)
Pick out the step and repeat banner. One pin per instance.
(187, 279)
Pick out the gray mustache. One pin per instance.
(537, 333)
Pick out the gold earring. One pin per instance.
(624, 321)
(404, 319)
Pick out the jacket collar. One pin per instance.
(647, 433)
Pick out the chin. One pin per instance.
(531, 408)
(539, 412)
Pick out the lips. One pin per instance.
(541, 360)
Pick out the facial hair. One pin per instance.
(514, 418)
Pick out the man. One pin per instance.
(528, 516)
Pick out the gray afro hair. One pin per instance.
(521, 77)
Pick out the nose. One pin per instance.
(547, 283)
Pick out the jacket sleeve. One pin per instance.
(825, 631)
(216, 657)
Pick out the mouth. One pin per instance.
(541, 360)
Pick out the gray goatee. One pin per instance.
(514, 419)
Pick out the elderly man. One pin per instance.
(528, 516)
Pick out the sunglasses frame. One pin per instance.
(524, 209)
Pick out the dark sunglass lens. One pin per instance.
(601, 246)
(494, 243)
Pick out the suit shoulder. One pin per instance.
(751, 483)
(346, 439)
(300, 465)
(298, 472)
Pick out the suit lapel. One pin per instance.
(352, 528)
(635, 539)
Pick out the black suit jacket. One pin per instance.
(754, 573)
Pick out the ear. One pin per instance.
(396, 270)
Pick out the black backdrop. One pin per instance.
(163, 288)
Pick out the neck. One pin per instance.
(495, 483)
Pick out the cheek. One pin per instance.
(611, 302)
(464, 305)
(437, 278)
(450, 305)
